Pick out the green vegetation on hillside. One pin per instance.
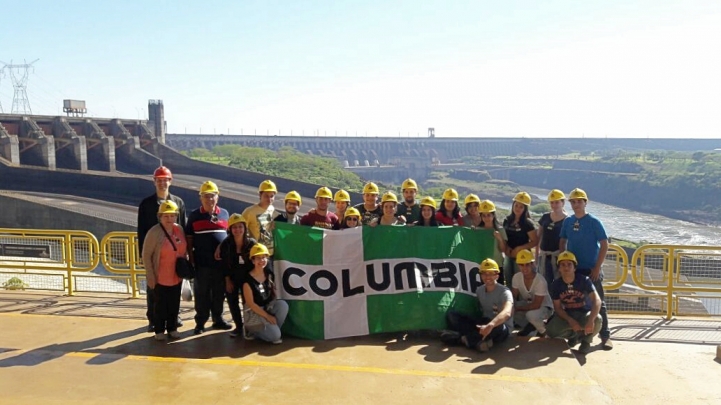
(286, 162)
(685, 185)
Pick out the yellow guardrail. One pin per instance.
(121, 255)
(615, 267)
(688, 276)
(664, 279)
(58, 253)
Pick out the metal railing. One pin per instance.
(689, 277)
(120, 255)
(664, 280)
(51, 258)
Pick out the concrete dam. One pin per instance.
(402, 151)
(112, 159)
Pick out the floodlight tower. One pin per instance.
(19, 76)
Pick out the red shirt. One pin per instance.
(327, 221)
(166, 268)
(444, 220)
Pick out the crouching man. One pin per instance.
(574, 318)
(533, 305)
(496, 323)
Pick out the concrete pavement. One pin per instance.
(94, 349)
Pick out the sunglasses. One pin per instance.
(214, 218)
(352, 219)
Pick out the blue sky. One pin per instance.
(381, 68)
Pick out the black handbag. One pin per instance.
(183, 267)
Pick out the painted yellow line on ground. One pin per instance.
(326, 367)
(66, 316)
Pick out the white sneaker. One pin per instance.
(174, 334)
(277, 342)
(159, 336)
(247, 335)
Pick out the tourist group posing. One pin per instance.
(545, 278)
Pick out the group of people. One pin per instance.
(229, 262)
(560, 297)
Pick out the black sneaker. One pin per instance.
(526, 330)
(198, 330)
(151, 328)
(222, 325)
(584, 348)
(236, 332)
(572, 341)
(451, 338)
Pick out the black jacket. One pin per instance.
(232, 266)
(148, 215)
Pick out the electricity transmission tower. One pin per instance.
(2, 73)
(19, 76)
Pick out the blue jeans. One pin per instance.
(605, 333)
(466, 326)
(548, 268)
(271, 333)
(510, 268)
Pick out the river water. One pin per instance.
(636, 226)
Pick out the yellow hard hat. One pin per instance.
(490, 265)
(524, 257)
(409, 184)
(341, 195)
(370, 188)
(429, 201)
(209, 188)
(450, 195)
(567, 256)
(324, 192)
(556, 195)
(168, 207)
(579, 194)
(350, 212)
(389, 197)
(267, 185)
(487, 207)
(236, 218)
(259, 249)
(293, 196)
(523, 198)
(471, 198)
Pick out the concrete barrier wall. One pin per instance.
(118, 189)
(18, 213)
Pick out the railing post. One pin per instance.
(669, 284)
(130, 254)
(67, 256)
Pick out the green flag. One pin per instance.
(376, 279)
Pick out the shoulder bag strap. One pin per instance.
(169, 238)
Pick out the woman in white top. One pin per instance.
(389, 202)
(530, 293)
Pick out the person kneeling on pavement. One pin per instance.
(496, 322)
(265, 314)
(574, 319)
(533, 305)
